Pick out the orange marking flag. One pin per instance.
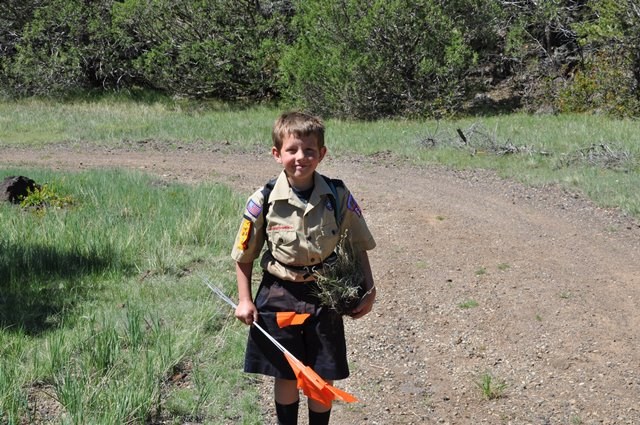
(288, 318)
(314, 386)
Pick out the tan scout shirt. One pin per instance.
(298, 234)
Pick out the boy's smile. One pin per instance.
(299, 156)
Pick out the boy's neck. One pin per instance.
(302, 185)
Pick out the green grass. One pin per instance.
(465, 305)
(36, 122)
(504, 266)
(552, 153)
(101, 305)
(490, 387)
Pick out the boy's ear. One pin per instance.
(323, 152)
(276, 154)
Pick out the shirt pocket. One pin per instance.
(280, 237)
(284, 245)
(328, 238)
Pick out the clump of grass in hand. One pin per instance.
(340, 285)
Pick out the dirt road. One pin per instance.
(477, 276)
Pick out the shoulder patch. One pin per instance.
(253, 209)
(245, 234)
(352, 206)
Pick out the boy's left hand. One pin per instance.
(365, 306)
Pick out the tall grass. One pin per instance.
(549, 139)
(100, 308)
(37, 122)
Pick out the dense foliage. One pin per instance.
(349, 58)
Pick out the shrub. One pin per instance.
(46, 196)
(605, 83)
(67, 46)
(222, 49)
(370, 59)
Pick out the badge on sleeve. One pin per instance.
(352, 205)
(245, 234)
(253, 209)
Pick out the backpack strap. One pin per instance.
(266, 191)
(333, 183)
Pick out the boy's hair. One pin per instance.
(298, 123)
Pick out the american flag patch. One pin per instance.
(254, 209)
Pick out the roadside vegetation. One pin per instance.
(593, 155)
(103, 316)
(356, 59)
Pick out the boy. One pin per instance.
(300, 227)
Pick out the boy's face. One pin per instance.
(299, 156)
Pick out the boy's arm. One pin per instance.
(246, 310)
(366, 304)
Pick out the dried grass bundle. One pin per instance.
(341, 284)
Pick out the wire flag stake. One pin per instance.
(307, 379)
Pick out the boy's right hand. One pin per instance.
(247, 312)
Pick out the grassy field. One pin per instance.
(595, 155)
(103, 315)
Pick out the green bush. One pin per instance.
(362, 59)
(604, 84)
(222, 49)
(368, 59)
(67, 46)
(216, 49)
(46, 196)
(609, 79)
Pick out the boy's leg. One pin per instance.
(317, 418)
(319, 414)
(287, 401)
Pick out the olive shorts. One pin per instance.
(318, 343)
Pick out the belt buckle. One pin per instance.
(310, 270)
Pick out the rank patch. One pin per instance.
(352, 205)
(245, 234)
(254, 209)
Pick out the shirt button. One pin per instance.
(313, 260)
(280, 240)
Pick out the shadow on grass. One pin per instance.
(39, 283)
